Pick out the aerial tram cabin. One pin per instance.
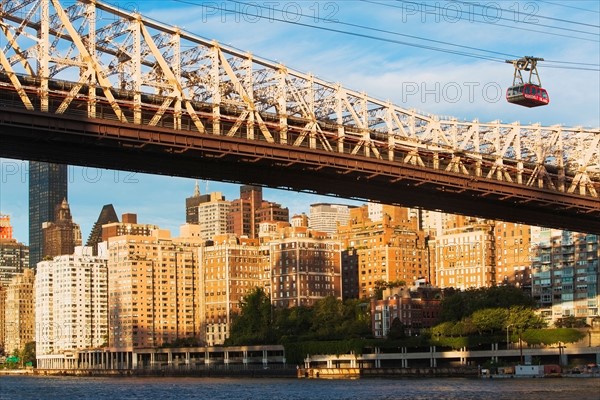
(530, 93)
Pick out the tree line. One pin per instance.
(329, 319)
(467, 318)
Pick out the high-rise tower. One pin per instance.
(47, 189)
(61, 236)
(192, 203)
(107, 216)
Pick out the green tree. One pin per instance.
(253, 324)
(464, 327)
(443, 329)
(378, 287)
(357, 319)
(28, 354)
(552, 336)
(328, 317)
(489, 320)
(571, 322)
(522, 318)
(293, 323)
(458, 305)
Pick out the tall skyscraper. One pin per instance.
(229, 269)
(61, 236)
(107, 216)
(191, 206)
(241, 220)
(513, 255)
(47, 189)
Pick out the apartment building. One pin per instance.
(465, 254)
(565, 273)
(305, 266)
(71, 307)
(153, 289)
(19, 311)
(388, 249)
(229, 269)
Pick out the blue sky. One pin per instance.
(385, 57)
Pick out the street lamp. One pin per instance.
(507, 339)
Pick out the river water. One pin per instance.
(75, 388)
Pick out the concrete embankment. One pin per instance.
(208, 372)
(17, 371)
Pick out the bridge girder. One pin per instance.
(113, 144)
(99, 61)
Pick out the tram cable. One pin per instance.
(426, 47)
(501, 18)
(532, 16)
(389, 40)
(568, 6)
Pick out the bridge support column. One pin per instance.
(564, 359)
(433, 360)
(463, 358)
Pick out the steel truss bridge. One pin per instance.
(91, 84)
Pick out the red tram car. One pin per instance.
(528, 95)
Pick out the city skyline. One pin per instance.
(438, 82)
(169, 215)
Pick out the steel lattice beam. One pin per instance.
(115, 64)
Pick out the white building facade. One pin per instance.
(325, 217)
(212, 216)
(71, 305)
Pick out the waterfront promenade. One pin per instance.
(271, 361)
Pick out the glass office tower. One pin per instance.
(47, 189)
